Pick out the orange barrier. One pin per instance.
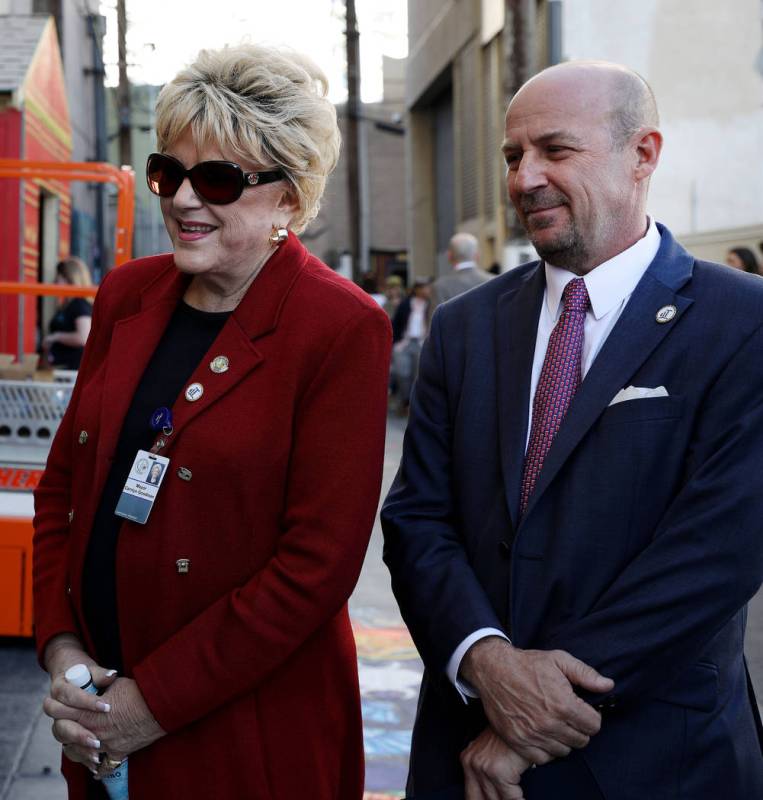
(47, 289)
(15, 576)
(96, 172)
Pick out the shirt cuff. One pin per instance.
(454, 663)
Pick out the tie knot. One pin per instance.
(575, 296)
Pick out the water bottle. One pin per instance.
(115, 782)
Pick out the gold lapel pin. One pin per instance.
(219, 364)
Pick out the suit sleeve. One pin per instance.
(330, 499)
(439, 594)
(705, 560)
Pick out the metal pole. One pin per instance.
(354, 195)
(554, 32)
(98, 72)
(123, 90)
(517, 44)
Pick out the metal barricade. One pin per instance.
(30, 413)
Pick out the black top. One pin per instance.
(188, 336)
(65, 321)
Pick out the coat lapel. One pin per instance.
(135, 339)
(256, 316)
(634, 337)
(133, 342)
(517, 316)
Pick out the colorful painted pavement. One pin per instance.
(390, 673)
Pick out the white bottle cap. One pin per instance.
(79, 675)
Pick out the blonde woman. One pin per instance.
(70, 325)
(261, 376)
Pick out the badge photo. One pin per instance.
(142, 486)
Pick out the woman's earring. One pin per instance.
(278, 235)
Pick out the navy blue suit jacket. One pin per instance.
(641, 544)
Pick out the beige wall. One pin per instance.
(713, 245)
(700, 59)
(436, 32)
(420, 206)
(385, 223)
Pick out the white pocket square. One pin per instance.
(638, 393)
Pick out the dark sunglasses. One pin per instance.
(217, 182)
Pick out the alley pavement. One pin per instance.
(389, 668)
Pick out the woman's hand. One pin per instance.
(128, 726)
(66, 702)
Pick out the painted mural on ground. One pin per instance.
(390, 673)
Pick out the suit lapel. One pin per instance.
(517, 316)
(632, 340)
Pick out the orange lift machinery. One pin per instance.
(31, 410)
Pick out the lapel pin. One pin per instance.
(666, 314)
(183, 566)
(194, 392)
(219, 364)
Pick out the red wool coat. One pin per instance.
(247, 660)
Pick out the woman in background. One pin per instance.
(743, 258)
(70, 326)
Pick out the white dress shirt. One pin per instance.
(465, 265)
(417, 320)
(609, 286)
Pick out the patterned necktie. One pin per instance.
(558, 382)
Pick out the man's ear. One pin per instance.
(648, 149)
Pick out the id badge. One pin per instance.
(142, 486)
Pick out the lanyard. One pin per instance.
(161, 420)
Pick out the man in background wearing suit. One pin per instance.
(574, 532)
(463, 250)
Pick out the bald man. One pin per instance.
(574, 533)
(463, 251)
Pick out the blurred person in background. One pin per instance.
(743, 258)
(394, 294)
(370, 287)
(70, 326)
(262, 376)
(410, 326)
(465, 274)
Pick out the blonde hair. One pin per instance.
(74, 271)
(264, 104)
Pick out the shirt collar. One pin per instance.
(465, 265)
(611, 282)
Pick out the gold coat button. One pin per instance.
(183, 565)
(71, 515)
(83, 437)
(184, 473)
